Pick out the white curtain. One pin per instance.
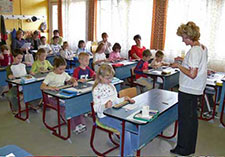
(209, 15)
(74, 21)
(122, 19)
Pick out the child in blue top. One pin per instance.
(82, 48)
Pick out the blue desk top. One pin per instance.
(157, 99)
(17, 151)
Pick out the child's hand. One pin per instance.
(132, 101)
(174, 65)
(108, 104)
(82, 80)
(145, 71)
(54, 88)
(11, 77)
(75, 83)
(32, 73)
(178, 58)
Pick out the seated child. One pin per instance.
(158, 60)
(41, 65)
(141, 67)
(115, 54)
(66, 53)
(44, 45)
(83, 72)
(107, 44)
(55, 46)
(16, 69)
(82, 48)
(99, 56)
(105, 96)
(54, 80)
(6, 57)
(56, 33)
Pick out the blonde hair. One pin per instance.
(82, 55)
(39, 52)
(190, 29)
(104, 70)
(99, 47)
(19, 32)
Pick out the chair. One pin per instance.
(132, 81)
(131, 92)
(109, 130)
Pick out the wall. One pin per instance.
(28, 7)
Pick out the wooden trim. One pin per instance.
(92, 20)
(60, 22)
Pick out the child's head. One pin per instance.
(81, 44)
(104, 75)
(137, 39)
(55, 39)
(159, 56)
(41, 54)
(43, 40)
(5, 49)
(116, 47)
(105, 36)
(17, 56)
(59, 64)
(101, 48)
(84, 59)
(147, 55)
(65, 45)
(56, 33)
(35, 34)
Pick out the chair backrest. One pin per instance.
(93, 112)
(131, 92)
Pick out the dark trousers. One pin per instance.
(187, 123)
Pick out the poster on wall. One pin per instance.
(6, 6)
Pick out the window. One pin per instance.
(209, 15)
(53, 18)
(74, 21)
(122, 19)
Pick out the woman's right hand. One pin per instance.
(108, 104)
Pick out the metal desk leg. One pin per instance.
(122, 138)
(214, 107)
(221, 116)
(20, 111)
(174, 133)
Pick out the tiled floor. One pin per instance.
(37, 140)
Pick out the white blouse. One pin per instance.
(103, 93)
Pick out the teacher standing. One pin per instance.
(192, 82)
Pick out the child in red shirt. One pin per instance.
(6, 57)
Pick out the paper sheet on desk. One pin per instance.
(155, 72)
(130, 107)
(10, 155)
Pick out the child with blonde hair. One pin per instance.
(41, 65)
(105, 96)
(99, 56)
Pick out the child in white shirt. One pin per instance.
(54, 80)
(45, 46)
(158, 60)
(16, 69)
(105, 96)
(66, 53)
(82, 48)
(55, 46)
(99, 56)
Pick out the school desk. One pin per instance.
(74, 106)
(222, 103)
(123, 68)
(15, 150)
(162, 100)
(3, 76)
(213, 86)
(170, 78)
(50, 58)
(31, 91)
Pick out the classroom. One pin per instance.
(112, 78)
